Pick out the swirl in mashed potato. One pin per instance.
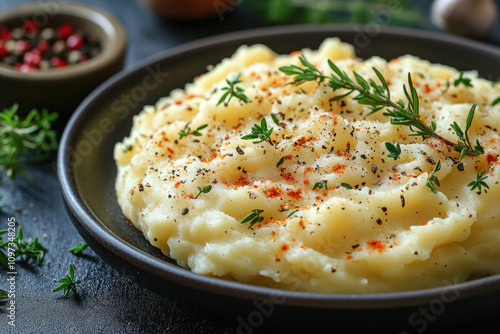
(389, 233)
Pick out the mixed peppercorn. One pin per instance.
(33, 47)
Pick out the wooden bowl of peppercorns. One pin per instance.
(53, 55)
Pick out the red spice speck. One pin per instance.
(349, 257)
(295, 194)
(170, 150)
(273, 192)
(339, 168)
(277, 259)
(376, 245)
(177, 184)
(214, 155)
(241, 182)
(284, 247)
(491, 158)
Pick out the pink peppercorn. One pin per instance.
(65, 30)
(74, 42)
(58, 62)
(30, 26)
(23, 46)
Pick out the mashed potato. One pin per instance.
(390, 232)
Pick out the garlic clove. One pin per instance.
(475, 18)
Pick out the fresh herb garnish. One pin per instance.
(187, 131)
(3, 294)
(261, 132)
(280, 162)
(346, 185)
(79, 247)
(275, 119)
(23, 249)
(205, 190)
(433, 181)
(233, 91)
(291, 213)
(21, 140)
(68, 283)
(127, 148)
(254, 217)
(377, 96)
(464, 145)
(494, 103)
(394, 150)
(321, 184)
(462, 80)
(479, 182)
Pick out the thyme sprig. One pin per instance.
(394, 150)
(462, 80)
(433, 181)
(205, 190)
(377, 97)
(68, 283)
(22, 249)
(21, 140)
(254, 217)
(233, 91)
(261, 132)
(187, 131)
(479, 182)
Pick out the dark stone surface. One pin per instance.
(107, 301)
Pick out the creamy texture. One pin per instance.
(389, 233)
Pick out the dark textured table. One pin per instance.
(108, 302)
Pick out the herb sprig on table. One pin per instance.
(25, 140)
(21, 248)
(68, 283)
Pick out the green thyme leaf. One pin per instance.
(321, 184)
(187, 131)
(254, 217)
(462, 80)
(68, 283)
(78, 248)
(205, 190)
(479, 182)
(233, 91)
(394, 150)
(280, 162)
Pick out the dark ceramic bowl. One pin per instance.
(62, 89)
(86, 172)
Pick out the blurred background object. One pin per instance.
(188, 9)
(474, 18)
(390, 12)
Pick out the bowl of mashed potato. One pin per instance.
(318, 170)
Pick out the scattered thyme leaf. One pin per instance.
(280, 162)
(68, 283)
(205, 190)
(462, 80)
(275, 119)
(127, 148)
(321, 184)
(78, 248)
(261, 132)
(254, 217)
(291, 213)
(433, 181)
(346, 185)
(495, 102)
(187, 131)
(479, 182)
(233, 91)
(394, 150)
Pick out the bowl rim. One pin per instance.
(113, 46)
(166, 271)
